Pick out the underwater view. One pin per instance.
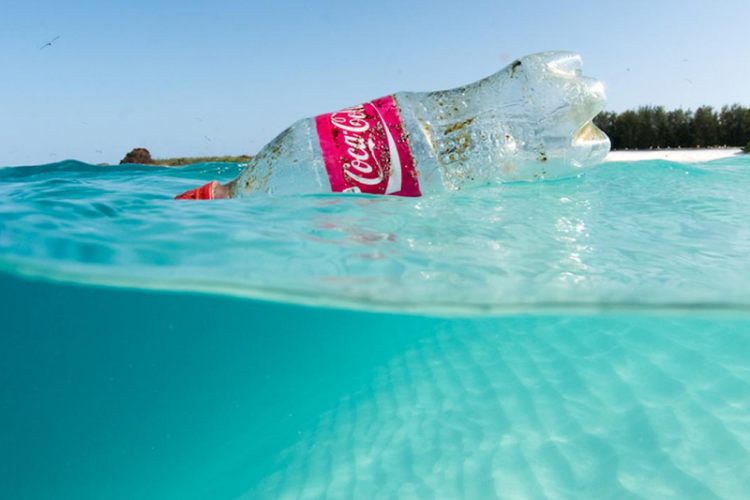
(586, 337)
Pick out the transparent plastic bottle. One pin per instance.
(531, 120)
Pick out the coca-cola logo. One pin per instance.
(365, 150)
(362, 165)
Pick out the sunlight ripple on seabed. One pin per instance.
(576, 408)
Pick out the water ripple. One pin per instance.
(648, 234)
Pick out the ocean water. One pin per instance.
(585, 338)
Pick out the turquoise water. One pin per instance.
(586, 338)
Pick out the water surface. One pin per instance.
(647, 234)
(586, 338)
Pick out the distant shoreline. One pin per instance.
(688, 155)
(676, 155)
(180, 162)
(632, 155)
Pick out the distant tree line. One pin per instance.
(142, 156)
(653, 127)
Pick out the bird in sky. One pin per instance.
(48, 44)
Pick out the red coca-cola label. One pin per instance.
(366, 151)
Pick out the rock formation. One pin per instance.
(138, 155)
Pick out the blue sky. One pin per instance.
(193, 77)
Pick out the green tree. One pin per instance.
(659, 127)
(627, 126)
(679, 124)
(706, 127)
(644, 128)
(746, 125)
(654, 127)
(607, 122)
(731, 126)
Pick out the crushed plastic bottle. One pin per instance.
(531, 120)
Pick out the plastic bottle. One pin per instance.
(529, 121)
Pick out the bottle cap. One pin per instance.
(201, 193)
